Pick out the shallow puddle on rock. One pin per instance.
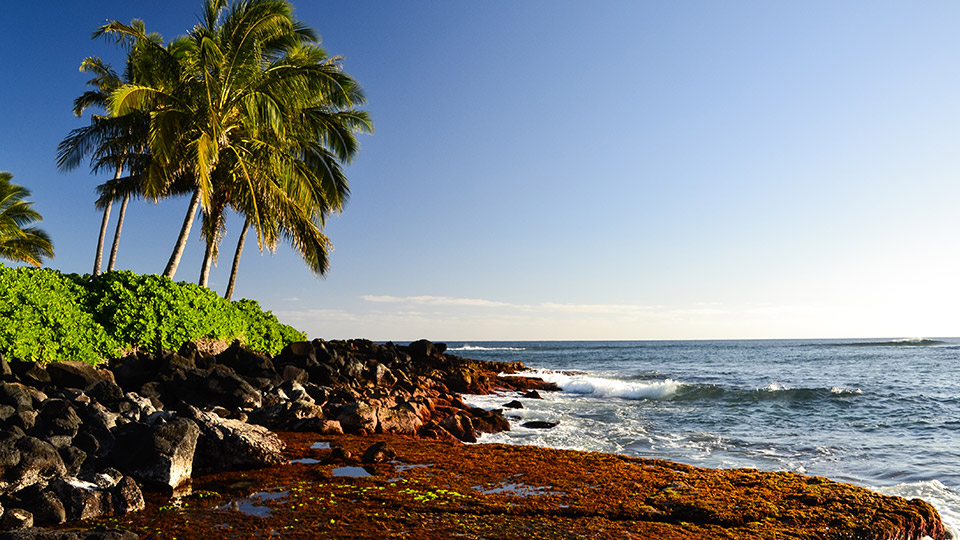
(401, 467)
(306, 461)
(253, 505)
(517, 489)
(351, 472)
(322, 445)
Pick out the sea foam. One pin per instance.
(604, 387)
(468, 347)
(944, 499)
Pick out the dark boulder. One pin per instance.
(73, 374)
(537, 424)
(513, 405)
(48, 509)
(17, 518)
(127, 496)
(246, 362)
(26, 461)
(105, 391)
(133, 371)
(378, 453)
(226, 444)
(15, 395)
(160, 454)
(57, 422)
(30, 373)
(301, 354)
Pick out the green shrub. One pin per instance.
(43, 317)
(49, 316)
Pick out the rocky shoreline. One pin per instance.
(80, 447)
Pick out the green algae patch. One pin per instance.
(525, 492)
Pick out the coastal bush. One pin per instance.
(43, 317)
(49, 316)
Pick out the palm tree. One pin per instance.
(111, 143)
(19, 241)
(251, 110)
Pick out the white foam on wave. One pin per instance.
(944, 499)
(468, 347)
(603, 387)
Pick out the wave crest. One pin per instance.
(468, 347)
(602, 387)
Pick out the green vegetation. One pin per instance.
(18, 240)
(50, 316)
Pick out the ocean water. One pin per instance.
(883, 414)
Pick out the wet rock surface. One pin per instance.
(423, 489)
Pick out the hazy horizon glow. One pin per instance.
(563, 170)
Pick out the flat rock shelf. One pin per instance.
(442, 489)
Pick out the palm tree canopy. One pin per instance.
(18, 240)
(251, 110)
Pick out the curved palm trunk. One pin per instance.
(236, 260)
(205, 267)
(103, 236)
(174, 261)
(116, 235)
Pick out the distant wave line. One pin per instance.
(468, 347)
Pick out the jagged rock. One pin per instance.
(133, 371)
(489, 421)
(106, 478)
(222, 386)
(6, 373)
(378, 452)
(17, 518)
(382, 376)
(6, 411)
(57, 422)
(73, 459)
(513, 405)
(292, 373)
(422, 348)
(532, 394)
(48, 509)
(290, 415)
(81, 500)
(226, 444)
(402, 418)
(537, 424)
(25, 461)
(177, 362)
(301, 354)
(15, 395)
(23, 419)
(246, 362)
(30, 373)
(357, 416)
(293, 391)
(105, 391)
(161, 455)
(127, 496)
(460, 426)
(73, 374)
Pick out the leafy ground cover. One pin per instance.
(51, 316)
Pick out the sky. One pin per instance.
(551, 170)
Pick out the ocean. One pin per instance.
(881, 413)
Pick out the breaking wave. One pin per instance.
(468, 347)
(611, 388)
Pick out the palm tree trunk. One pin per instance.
(103, 236)
(236, 260)
(174, 262)
(205, 267)
(116, 235)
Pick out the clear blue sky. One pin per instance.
(578, 170)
